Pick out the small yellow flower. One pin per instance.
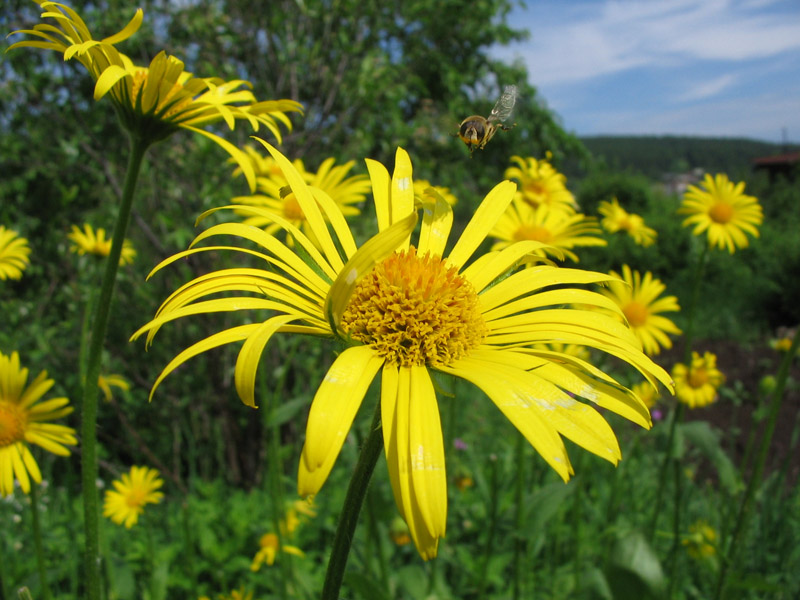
(422, 191)
(275, 195)
(781, 344)
(14, 251)
(24, 422)
(701, 541)
(270, 545)
(463, 482)
(90, 241)
(239, 594)
(638, 297)
(696, 385)
(154, 102)
(647, 393)
(723, 210)
(558, 229)
(131, 493)
(540, 184)
(106, 382)
(616, 218)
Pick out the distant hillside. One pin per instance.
(656, 155)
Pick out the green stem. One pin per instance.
(677, 417)
(90, 390)
(758, 470)
(37, 542)
(487, 551)
(353, 501)
(519, 497)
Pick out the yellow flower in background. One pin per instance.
(616, 218)
(239, 594)
(131, 493)
(421, 191)
(560, 230)
(91, 241)
(697, 384)
(647, 393)
(14, 252)
(270, 545)
(404, 310)
(25, 421)
(575, 350)
(639, 298)
(540, 184)
(723, 210)
(154, 102)
(106, 382)
(701, 541)
(275, 195)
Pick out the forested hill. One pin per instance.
(656, 155)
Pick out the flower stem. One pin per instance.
(138, 147)
(37, 542)
(758, 469)
(353, 501)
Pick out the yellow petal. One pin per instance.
(437, 219)
(250, 356)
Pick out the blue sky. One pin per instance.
(685, 67)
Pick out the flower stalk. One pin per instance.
(138, 147)
(348, 519)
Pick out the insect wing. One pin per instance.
(504, 105)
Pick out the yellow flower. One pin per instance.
(540, 184)
(153, 102)
(106, 382)
(616, 218)
(723, 210)
(14, 251)
(270, 545)
(276, 196)
(404, 310)
(239, 594)
(697, 384)
(701, 541)
(94, 242)
(131, 492)
(647, 393)
(422, 190)
(638, 297)
(560, 230)
(24, 422)
(463, 482)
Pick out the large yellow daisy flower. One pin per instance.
(404, 310)
(559, 229)
(697, 384)
(91, 241)
(153, 102)
(540, 184)
(14, 252)
(616, 218)
(24, 422)
(638, 297)
(131, 493)
(723, 210)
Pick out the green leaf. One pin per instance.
(634, 570)
(287, 411)
(364, 586)
(706, 439)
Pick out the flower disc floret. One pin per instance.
(415, 311)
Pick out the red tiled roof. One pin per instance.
(778, 159)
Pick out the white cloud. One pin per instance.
(708, 89)
(589, 39)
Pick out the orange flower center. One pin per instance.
(534, 188)
(636, 313)
(136, 497)
(536, 233)
(415, 310)
(698, 377)
(721, 213)
(291, 208)
(12, 423)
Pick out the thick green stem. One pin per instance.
(758, 470)
(37, 542)
(348, 519)
(90, 390)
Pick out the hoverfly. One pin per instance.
(476, 131)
